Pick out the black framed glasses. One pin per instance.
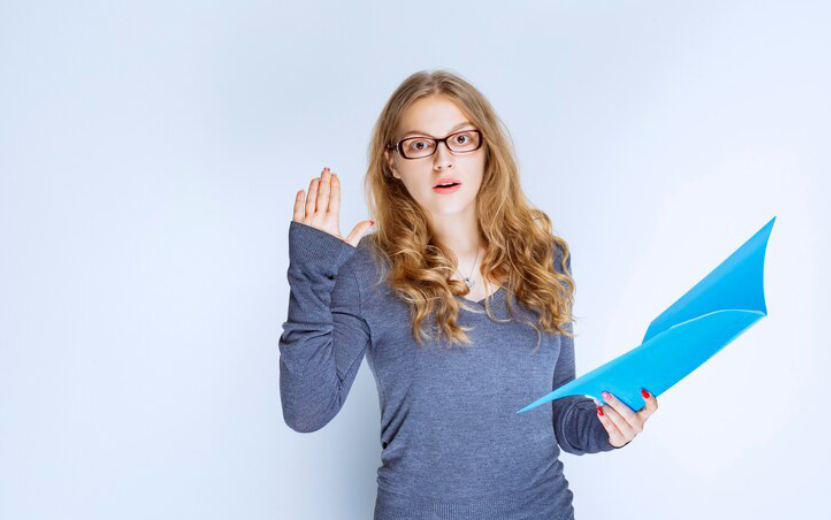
(465, 141)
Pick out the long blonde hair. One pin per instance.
(518, 238)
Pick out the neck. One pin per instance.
(460, 233)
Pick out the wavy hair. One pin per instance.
(518, 238)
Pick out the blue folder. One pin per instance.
(703, 321)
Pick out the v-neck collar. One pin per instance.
(493, 296)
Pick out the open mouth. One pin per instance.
(447, 187)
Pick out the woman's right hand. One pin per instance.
(322, 207)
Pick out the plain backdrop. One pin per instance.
(149, 159)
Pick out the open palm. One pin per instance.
(321, 209)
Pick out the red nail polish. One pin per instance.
(600, 410)
(644, 393)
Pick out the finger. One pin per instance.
(358, 231)
(650, 404)
(299, 212)
(615, 435)
(323, 191)
(623, 411)
(334, 197)
(626, 429)
(311, 198)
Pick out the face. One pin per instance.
(438, 116)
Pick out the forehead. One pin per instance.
(434, 116)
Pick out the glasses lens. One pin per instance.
(465, 141)
(416, 147)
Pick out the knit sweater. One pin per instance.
(454, 446)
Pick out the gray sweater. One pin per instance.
(453, 445)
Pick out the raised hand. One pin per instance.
(621, 422)
(321, 209)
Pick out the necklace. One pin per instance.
(469, 279)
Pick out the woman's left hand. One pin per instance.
(623, 423)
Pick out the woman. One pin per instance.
(458, 250)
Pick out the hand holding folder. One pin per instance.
(703, 321)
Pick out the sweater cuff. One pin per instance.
(316, 249)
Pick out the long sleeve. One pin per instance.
(576, 425)
(325, 338)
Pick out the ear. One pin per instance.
(389, 163)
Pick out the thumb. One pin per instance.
(358, 232)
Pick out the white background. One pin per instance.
(149, 159)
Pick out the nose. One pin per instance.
(443, 158)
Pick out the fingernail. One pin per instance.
(606, 395)
(644, 393)
(600, 410)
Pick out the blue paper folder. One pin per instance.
(703, 321)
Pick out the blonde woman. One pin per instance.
(461, 301)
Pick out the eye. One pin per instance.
(419, 144)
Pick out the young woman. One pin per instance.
(461, 301)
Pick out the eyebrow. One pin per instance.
(460, 125)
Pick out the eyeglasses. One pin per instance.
(465, 141)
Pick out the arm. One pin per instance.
(576, 425)
(325, 338)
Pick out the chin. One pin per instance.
(451, 209)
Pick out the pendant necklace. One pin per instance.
(469, 279)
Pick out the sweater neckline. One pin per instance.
(493, 296)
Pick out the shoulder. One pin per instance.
(366, 261)
(561, 250)
(366, 249)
